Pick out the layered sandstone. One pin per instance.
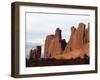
(77, 46)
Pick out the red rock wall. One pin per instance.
(53, 45)
(78, 44)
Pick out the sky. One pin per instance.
(39, 25)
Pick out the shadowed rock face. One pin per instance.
(63, 44)
(77, 46)
(87, 31)
(35, 53)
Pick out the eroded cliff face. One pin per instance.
(76, 39)
(59, 52)
(53, 44)
(77, 46)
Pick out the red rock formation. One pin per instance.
(53, 44)
(75, 53)
(58, 52)
(77, 38)
(48, 46)
(77, 46)
(35, 53)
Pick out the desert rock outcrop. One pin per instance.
(59, 52)
(53, 44)
(77, 38)
(77, 46)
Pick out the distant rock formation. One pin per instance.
(35, 53)
(77, 46)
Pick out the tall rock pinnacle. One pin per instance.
(53, 44)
